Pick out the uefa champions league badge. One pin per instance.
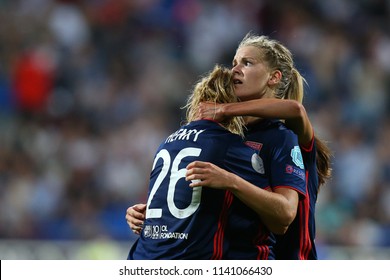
(296, 156)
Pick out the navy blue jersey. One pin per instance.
(280, 161)
(190, 223)
(298, 243)
(280, 154)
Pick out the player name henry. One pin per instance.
(184, 134)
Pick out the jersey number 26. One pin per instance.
(175, 175)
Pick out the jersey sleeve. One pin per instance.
(286, 166)
(309, 153)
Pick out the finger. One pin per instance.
(133, 226)
(195, 172)
(196, 176)
(136, 214)
(191, 165)
(196, 183)
(206, 104)
(197, 163)
(134, 220)
(136, 228)
(141, 208)
(128, 210)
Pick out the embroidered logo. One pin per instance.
(162, 232)
(254, 145)
(295, 171)
(296, 156)
(148, 231)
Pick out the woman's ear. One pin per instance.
(275, 77)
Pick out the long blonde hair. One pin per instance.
(215, 86)
(291, 86)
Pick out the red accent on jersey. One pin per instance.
(254, 145)
(263, 250)
(309, 147)
(220, 233)
(304, 237)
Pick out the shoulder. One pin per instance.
(270, 126)
(280, 134)
(272, 133)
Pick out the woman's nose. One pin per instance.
(236, 69)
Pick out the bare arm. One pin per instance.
(268, 108)
(276, 209)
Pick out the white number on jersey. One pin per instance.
(176, 175)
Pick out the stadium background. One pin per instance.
(89, 88)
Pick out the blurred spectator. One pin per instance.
(33, 80)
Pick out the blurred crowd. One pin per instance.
(89, 88)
